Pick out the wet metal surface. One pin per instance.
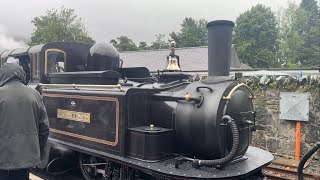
(257, 158)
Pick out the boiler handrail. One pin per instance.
(236, 88)
(75, 86)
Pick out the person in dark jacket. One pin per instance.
(24, 126)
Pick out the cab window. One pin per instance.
(55, 61)
(35, 67)
(3, 61)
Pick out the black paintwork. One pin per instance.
(153, 120)
(103, 56)
(167, 77)
(240, 107)
(105, 119)
(219, 47)
(202, 126)
(86, 77)
(256, 160)
(76, 53)
(19, 52)
(150, 144)
(137, 74)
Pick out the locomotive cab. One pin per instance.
(21, 54)
(4, 56)
(56, 58)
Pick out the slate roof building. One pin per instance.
(191, 59)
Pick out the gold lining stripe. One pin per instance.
(83, 137)
(114, 143)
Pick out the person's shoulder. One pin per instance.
(33, 92)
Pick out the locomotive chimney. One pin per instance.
(219, 47)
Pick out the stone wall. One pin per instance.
(278, 136)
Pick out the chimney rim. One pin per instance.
(220, 22)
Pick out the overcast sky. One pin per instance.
(140, 20)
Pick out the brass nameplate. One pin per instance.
(73, 115)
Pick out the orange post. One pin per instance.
(298, 127)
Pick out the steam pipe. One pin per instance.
(305, 158)
(219, 47)
(234, 149)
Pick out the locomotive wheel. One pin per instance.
(92, 168)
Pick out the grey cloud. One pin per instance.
(8, 42)
(137, 19)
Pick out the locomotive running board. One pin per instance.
(257, 159)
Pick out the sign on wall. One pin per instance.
(294, 106)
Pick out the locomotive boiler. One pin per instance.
(124, 123)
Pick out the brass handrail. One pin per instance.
(237, 87)
(75, 86)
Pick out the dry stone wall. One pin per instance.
(278, 136)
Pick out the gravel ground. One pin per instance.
(314, 167)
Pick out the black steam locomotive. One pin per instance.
(124, 123)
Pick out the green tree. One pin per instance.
(59, 25)
(309, 54)
(114, 42)
(143, 46)
(312, 9)
(255, 37)
(290, 39)
(123, 43)
(159, 43)
(193, 33)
